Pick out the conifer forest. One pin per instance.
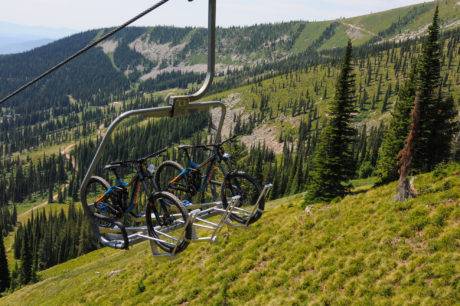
(320, 109)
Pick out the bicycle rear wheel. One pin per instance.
(167, 179)
(104, 211)
(166, 220)
(245, 186)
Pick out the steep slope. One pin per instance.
(273, 107)
(364, 249)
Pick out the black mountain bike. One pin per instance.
(185, 183)
(114, 207)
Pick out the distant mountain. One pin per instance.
(143, 57)
(10, 45)
(8, 29)
(15, 38)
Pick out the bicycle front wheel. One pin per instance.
(167, 223)
(248, 208)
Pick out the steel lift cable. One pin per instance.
(85, 49)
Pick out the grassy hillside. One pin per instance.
(365, 249)
(378, 79)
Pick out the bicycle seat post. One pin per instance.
(187, 155)
(118, 178)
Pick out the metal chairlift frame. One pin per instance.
(179, 106)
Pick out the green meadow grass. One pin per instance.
(312, 31)
(365, 249)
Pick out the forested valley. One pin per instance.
(279, 81)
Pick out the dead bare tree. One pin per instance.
(405, 188)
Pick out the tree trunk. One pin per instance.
(405, 189)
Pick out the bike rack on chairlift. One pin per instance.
(179, 106)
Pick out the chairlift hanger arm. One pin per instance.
(180, 105)
(85, 49)
(179, 101)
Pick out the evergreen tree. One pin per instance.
(445, 129)
(4, 271)
(14, 216)
(433, 142)
(60, 196)
(50, 194)
(333, 163)
(15, 281)
(86, 242)
(393, 141)
(27, 262)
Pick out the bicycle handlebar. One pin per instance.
(138, 161)
(208, 146)
(231, 139)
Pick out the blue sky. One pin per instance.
(88, 14)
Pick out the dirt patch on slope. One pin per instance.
(264, 134)
(154, 51)
(232, 112)
(453, 23)
(410, 35)
(198, 68)
(182, 67)
(356, 32)
(108, 46)
(353, 32)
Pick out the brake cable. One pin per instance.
(85, 49)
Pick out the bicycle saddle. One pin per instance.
(114, 166)
(185, 147)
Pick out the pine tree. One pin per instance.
(446, 128)
(15, 277)
(433, 144)
(14, 216)
(393, 142)
(50, 194)
(4, 271)
(333, 162)
(27, 262)
(86, 242)
(60, 196)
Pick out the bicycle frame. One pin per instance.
(213, 162)
(136, 183)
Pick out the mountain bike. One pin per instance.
(112, 206)
(187, 182)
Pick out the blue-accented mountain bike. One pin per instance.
(187, 182)
(126, 204)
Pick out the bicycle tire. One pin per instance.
(231, 182)
(175, 168)
(172, 202)
(102, 219)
